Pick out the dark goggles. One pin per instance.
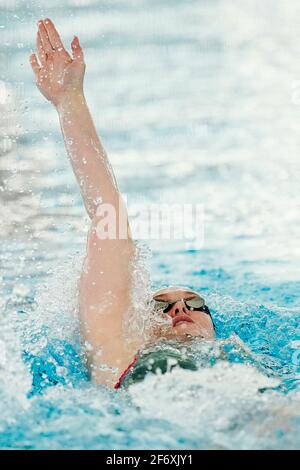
(196, 303)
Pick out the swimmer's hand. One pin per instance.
(59, 76)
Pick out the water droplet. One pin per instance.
(98, 200)
(88, 346)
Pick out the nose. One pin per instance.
(178, 308)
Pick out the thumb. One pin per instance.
(77, 51)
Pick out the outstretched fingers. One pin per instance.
(48, 49)
(77, 51)
(35, 65)
(40, 49)
(54, 36)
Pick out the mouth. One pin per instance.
(181, 318)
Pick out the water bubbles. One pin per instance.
(20, 290)
(3, 357)
(61, 371)
(98, 200)
(4, 93)
(99, 352)
(224, 393)
(88, 346)
(137, 323)
(106, 368)
(216, 408)
(171, 362)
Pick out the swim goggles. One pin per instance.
(196, 303)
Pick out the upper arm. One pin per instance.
(105, 288)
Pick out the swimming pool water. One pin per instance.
(196, 102)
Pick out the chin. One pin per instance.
(183, 331)
(186, 329)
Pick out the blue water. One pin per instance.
(196, 102)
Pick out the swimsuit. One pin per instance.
(122, 376)
(160, 360)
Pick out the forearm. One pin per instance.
(88, 158)
(59, 77)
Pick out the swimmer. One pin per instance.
(106, 281)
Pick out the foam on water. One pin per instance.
(235, 400)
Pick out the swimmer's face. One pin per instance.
(180, 321)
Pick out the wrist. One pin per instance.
(70, 100)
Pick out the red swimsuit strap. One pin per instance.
(117, 384)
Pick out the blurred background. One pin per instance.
(196, 101)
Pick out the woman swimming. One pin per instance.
(106, 281)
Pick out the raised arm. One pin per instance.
(60, 79)
(106, 275)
